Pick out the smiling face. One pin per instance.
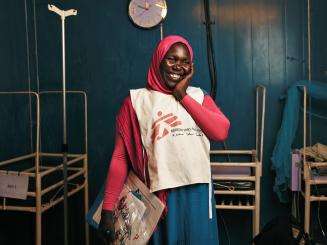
(176, 65)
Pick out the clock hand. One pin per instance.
(160, 6)
(147, 5)
(142, 7)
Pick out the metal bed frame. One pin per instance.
(255, 165)
(43, 174)
(309, 179)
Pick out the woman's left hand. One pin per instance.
(180, 89)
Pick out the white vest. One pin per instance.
(177, 149)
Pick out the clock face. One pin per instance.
(147, 13)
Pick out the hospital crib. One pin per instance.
(44, 169)
(235, 174)
(310, 191)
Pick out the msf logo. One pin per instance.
(162, 125)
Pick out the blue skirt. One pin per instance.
(187, 221)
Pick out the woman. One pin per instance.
(162, 133)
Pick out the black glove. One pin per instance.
(106, 227)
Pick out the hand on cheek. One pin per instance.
(180, 89)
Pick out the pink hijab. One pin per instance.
(155, 81)
(127, 124)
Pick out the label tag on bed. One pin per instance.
(13, 186)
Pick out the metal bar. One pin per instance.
(60, 92)
(250, 193)
(38, 209)
(17, 173)
(257, 119)
(31, 194)
(17, 208)
(17, 159)
(307, 207)
(47, 154)
(70, 168)
(317, 181)
(318, 198)
(63, 14)
(161, 31)
(86, 202)
(237, 152)
(238, 207)
(263, 116)
(85, 124)
(86, 188)
(234, 177)
(256, 213)
(307, 191)
(304, 124)
(60, 167)
(234, 164)
(29, 169)
(64, 132)
(60, 199)
(317, 164)
(38, 134)
(60, 183)
(18, 93)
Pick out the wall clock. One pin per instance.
(147, 13)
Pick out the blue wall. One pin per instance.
(319, 40)
(255, 41)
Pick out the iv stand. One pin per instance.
(63, 14)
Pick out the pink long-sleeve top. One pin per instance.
(207, 116)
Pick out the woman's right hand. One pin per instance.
(107, 227)
(180, 89)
